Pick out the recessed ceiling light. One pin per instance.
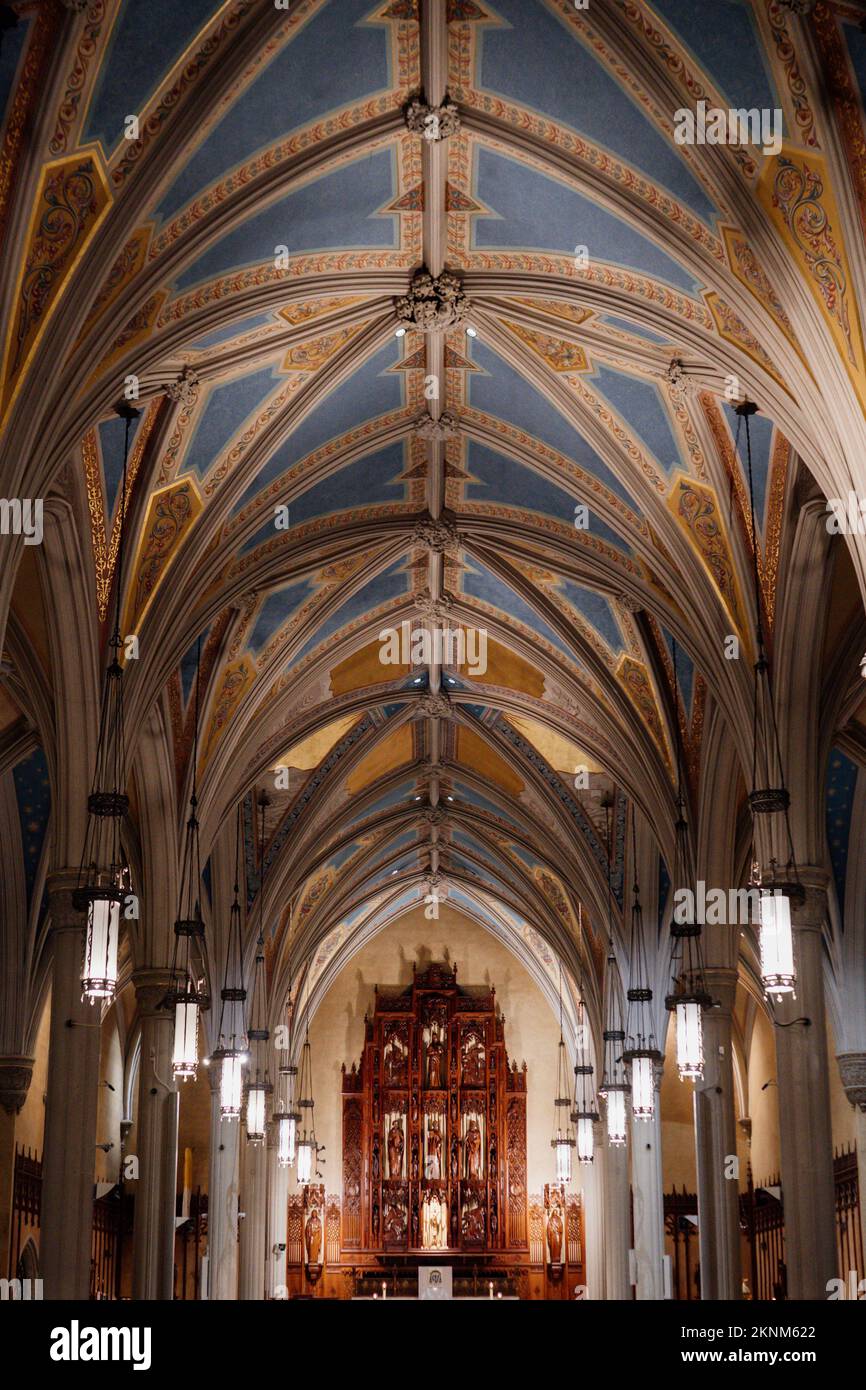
(471, 332)
(417, 680)
(399, 333)
(449, 798)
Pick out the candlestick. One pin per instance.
(490, 1287)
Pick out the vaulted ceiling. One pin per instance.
(235, 253)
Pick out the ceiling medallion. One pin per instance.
(433, 705)
(444, 428)
(434, 302)
(185, 390)
(438, 534)
(433, 122)
(430, 607)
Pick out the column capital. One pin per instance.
(151, 987)
(852, 1070)
(811, 914)
(721, 982)
(60, 887)
(15, 1076)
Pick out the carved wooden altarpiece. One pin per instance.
(434, 1126)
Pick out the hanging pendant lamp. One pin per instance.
(308, 1148)
(614, 1081)
(641, 1051)
(689, 996)
(231, 1051)
(286, 1116)
(258, 1086)
(584, 1115)
(103, 877)
(562, 1142)
(769, 794)
(188, 996)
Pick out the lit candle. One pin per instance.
(384, 1289)
(499, 1295)
(490, 1287)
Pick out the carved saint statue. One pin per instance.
(394, 1220)
(313, 1237)
(395, 1062)
(434, 1152)
(434, 1222)
(435, 1057)
(554, 1234)
(473, 1060)
(395, 1150)
(473, 1150)
(473, 1220)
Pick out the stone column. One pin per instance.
(804, 1107)
(852, 1069)
(278, 1221)
(593, 1218)
(15, 1074)
(716, 1146)
(646, 1180)
(70, 1107)
(155, 1198)
(222, 1242)
(617, 1221)
(253, 1223)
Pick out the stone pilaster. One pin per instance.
(716, 1147)
(155, 1199)
(804, 1106)
(646, 1181)
(278, 1220)
(253, 1225)
(222, 1243)
(617, 1221)
(592, 1175)
(70, 1107)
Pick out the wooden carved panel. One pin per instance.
(516, 1141)
(434, 1125)
(352, 1134)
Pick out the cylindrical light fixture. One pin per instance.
(777, 943)
(184, 1060)
(690, 1039)
(287, 1137)
(231, 1082)
(306, 1155)
(257, 1097)
(643, 1084)
(99, 970)
(617, 1130)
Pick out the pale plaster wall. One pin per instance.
(678, 1125)
(531, 1030)
(764, 1105)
